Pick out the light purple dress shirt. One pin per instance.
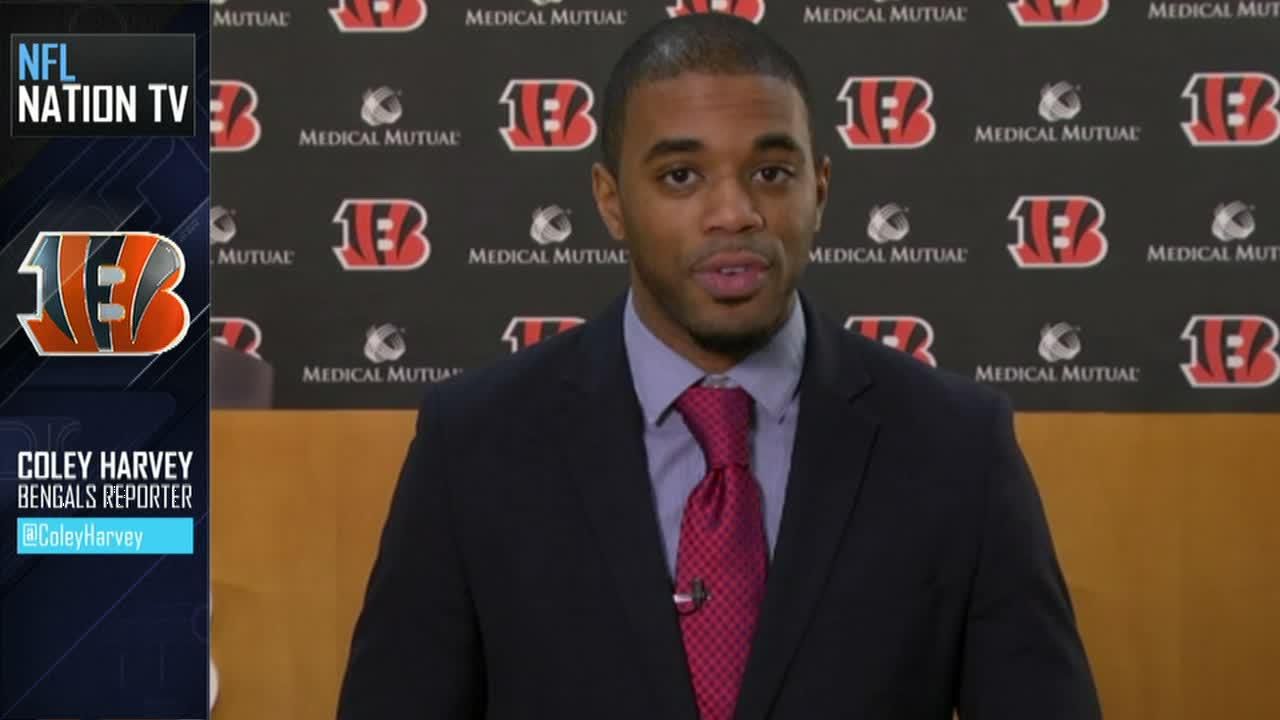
(770, 375)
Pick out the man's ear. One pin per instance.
(604, 186)
(822, 176)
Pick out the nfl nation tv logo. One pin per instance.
(103, 292)
(109, 85)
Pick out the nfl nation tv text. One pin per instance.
(102, 85)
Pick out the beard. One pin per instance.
(737, 343)
(725, 335)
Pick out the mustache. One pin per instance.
(754, 244)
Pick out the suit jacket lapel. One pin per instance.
(602, 435)
(834, 437)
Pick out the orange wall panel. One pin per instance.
(1166, 526)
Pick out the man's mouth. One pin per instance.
(734, 275)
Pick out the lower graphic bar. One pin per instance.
(105, 536)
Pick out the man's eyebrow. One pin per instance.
(777, 141)
(672, 146)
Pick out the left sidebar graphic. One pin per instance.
(104, 361)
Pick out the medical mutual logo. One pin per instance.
(545, 13)
(231, 15)
(1231, 237)
(887, 12)
(889, 232)
(383, 346)
(550, 228)
(1060, 107)
(1213, 11)
(381, 108)
(1062, 360)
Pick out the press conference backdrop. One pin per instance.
(1075, 202)
(1072, 200)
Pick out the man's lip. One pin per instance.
(738, 259)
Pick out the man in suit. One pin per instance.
(711, 501)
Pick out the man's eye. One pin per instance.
(774, 174)
(678, 176)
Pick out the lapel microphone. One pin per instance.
(691, 602)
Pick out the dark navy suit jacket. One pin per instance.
(521, 574)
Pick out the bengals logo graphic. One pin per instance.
(382, 234)
(911, 335)
(752, 10)
(1232, 351)
(1229, 109)
(1058, 231)
(379, 15)
(232, 124)
(1057, 13)
(525, 331)
(237, 333)
(105, 294)
(887, 112)
(548, 115)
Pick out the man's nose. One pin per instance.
(731, 208)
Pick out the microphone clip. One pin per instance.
(691, 602)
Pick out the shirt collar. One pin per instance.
(770, 375)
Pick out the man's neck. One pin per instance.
(676, 337)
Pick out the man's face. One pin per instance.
(717, 197)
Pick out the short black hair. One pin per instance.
(714, 43)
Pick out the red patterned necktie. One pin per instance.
(722, 557)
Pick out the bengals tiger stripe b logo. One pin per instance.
(233, 124)
(105, 294)
(910, 334)
(1057, 13)
(237, 333)
(379, 15)
(752, 10)
(548, 115)
(887, 112)
(1232, 109)
(1058, 231)
(1232, 351)
(526, 330)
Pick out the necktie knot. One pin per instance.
(719, 419)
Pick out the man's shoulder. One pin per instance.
(514, 384)
(905, 387)
(931, 417)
